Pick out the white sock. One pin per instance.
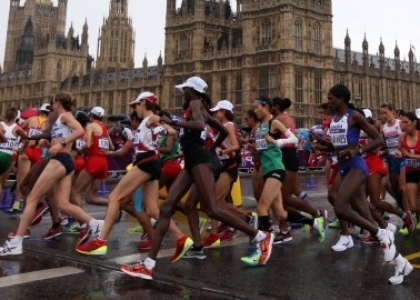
(275, 228)
(16, 241)
(149, 263)
(93, 223)
(381, 234)
(259, 237)
(400, 260)
(153, 222)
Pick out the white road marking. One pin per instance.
(169, 252)
(37, 276)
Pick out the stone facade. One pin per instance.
(266, 47)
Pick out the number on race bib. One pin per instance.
(33, 132)
(261, 144)
(339, 139)
(104, 144)
(80, 144)
(9, 145)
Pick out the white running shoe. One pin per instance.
(345, 242)
(400, 272)
(9, 249)
(388, 245)
(391, 227)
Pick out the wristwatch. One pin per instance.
(63, 143)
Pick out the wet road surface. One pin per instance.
(300, 269)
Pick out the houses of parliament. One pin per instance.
(260, 47)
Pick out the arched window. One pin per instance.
(317, 38)
(298, 34)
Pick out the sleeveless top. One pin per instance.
(60, 130)
(412, 164)
(341, 133)
(191, 139)
(12, 140)
(145, 138)
(99, 142)
(270, 153)
(226, 145)
(364, 140)
(391, 135)
(174, 150)
(292, 129)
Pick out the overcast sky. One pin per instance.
(390, 19)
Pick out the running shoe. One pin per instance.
(265, 247)
(182, 245)
(334, 224)
(222, 227)
(145, 244)
(211, 241)
(409, 222)
(369, 239)
(388, 246)
(202, 224)
(400, 272)
(10, 249)
(404, 231)
(138, 270)
(135, 229)
(228, 234)
(391, 227)
(193, 253)
(319, 226)
(72, 228)
(253, 259)
(40, 211)
(27, 234)
(15, 207)
(94, 247)
(144, 236)
(356, 230)
(281, 237)
(345, 242)
(52, 233)
(83, 235)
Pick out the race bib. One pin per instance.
(9, 145)
(339, 139)
(34, 132)
(412, 163)
(261, 144)
(136, 139)
(392, 142)
(80, 144)
(104, 144)
(160, 131)
(203, 135)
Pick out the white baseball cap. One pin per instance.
(223, 104)
(368, 113)
(418, 113)
(195, 83)
(45, 107)
(149, 96)
(98, 111)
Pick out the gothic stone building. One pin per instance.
(263, 47)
